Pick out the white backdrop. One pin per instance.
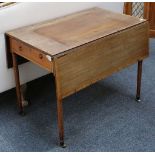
(22, 14)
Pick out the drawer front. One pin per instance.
(31, 54)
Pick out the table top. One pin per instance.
(59, 35)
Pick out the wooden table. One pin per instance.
(80, 49)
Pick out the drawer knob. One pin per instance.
(40, 56)
(20, 48)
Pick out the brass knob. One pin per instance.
(40, 56)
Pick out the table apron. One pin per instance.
(31, 54)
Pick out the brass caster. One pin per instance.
(63, 145)
(25, 103)
(138, 99)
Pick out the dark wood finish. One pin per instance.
(20, 60)
(8, 52)
(139, 77)
(60, 121)
(17, 81)
(80, 52)
(127, 8)
(59, 106)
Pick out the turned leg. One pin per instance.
(139, 77)
(17, 81)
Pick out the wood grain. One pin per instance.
(127, 8)
(31, 54)
(20, 60)
(17, 82)
(99, 59)
(139, 77)
(54, 37)
(85, 47)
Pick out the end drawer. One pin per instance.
(31, 54)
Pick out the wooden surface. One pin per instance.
(20, 60)
(80, 49)
(56, 36)
(127, 8)
(92, 62)
(31, 54)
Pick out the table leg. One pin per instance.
(139, 77)
(59, 112)
(17, 81)
(60, 122)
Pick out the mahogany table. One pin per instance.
(80, 49)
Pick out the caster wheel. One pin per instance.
(25, 103)
(138, 99)
(63, 145)
(22, 113)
